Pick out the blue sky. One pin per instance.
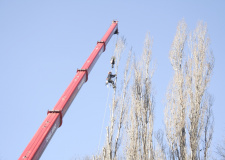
(42, 43)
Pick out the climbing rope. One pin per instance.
(104, 117)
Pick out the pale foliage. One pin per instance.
(199, 69)
(188, 113)
(117, 109)
(175, 111)
(140, 125)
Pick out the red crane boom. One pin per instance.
(39, 142)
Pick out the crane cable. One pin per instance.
(103, 121)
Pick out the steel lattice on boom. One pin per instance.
(39, 142)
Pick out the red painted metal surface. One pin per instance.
(54, 118)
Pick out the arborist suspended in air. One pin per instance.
(109, 79)
(110, 75)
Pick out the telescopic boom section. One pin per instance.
(54, 117)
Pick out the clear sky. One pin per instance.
(42, 43)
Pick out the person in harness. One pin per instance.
(109, 79)
(112, 61)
